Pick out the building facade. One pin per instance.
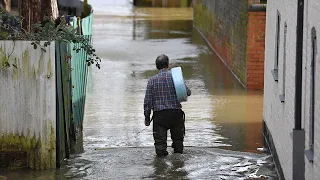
(291, 92)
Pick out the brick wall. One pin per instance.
(255, 50)
(225, 26)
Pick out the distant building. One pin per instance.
(70, 7)
(292, 106)
(163, 3)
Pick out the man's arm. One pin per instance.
(148, 103)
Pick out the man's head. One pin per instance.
(162, 62)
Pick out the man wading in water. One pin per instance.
(161, 98)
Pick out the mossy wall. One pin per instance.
(225, 26)
(27, 106)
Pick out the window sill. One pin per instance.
(275, 74)
(282, 98)
(309, 154)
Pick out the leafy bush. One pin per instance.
(47, 31)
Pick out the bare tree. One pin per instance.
(34, 11)
(50, 9)
(6, 4)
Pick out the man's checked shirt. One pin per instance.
(161, 94)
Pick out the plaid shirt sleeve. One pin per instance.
(148, 101)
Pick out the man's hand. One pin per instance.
(147, 121)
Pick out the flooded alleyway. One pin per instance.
(220, 115)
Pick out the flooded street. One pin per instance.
(220, 115)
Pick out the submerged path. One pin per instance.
(223, 121)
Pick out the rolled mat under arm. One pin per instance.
(179, 84)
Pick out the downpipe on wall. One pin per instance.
(298, 135)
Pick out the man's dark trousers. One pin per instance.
(164, 120)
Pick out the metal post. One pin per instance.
(298, 135)
(299, 50)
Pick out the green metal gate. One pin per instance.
(79, 74)
(64, 106)
(71, 80)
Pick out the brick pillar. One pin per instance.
(255, 50)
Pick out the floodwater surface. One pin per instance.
(220, 114)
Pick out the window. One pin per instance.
(310, 152)
(282, 96)
(276, 63)
(313, 88)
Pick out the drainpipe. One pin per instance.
(299, 46)
(298, 135)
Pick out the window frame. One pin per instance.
(313, 85)
(310, 152)
(277, 48)
(284, 63)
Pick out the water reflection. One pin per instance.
(169, 168)
(220, 113)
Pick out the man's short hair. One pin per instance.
(162, 61)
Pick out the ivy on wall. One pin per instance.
(47, 31)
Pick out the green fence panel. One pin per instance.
(64, 106)
(71, 81)
(87, 25)
(80, 73)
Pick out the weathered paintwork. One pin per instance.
(80, 73)
(27, 105)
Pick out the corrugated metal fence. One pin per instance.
(64, 102)
(80, 73)
(72, 71)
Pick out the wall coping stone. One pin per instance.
(258, 8)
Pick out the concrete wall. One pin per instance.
(27, 106)
(236, 35)
(279, 117)
(312, 12)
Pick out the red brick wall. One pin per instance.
(223, 24)
(236, 32)
(255, 50)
